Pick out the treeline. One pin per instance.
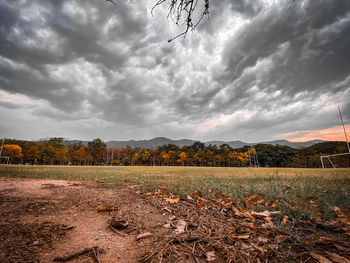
(55, 151)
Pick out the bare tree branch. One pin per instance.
(112, 1)
(183, 12)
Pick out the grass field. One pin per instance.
(308, 189)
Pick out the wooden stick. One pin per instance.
(116, 231)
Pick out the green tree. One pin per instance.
(97, 148)
(48, 151)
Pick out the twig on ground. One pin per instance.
(86, 251)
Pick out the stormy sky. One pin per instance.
(256, 70)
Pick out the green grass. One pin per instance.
(325, 187)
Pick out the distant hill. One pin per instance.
(155, 142)
(240, 144)
(159, 141)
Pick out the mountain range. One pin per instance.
(159, 141)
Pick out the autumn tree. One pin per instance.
(155, 155)
(165, 157)
(172, 157)
(81, 156)
(61, 156)
(182, 158)
(13, 151)
(238, 159)
(142, 157)
(32, 153)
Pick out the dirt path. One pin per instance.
(63, 204)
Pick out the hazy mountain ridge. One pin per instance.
(159, 141)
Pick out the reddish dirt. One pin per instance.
(33, 203)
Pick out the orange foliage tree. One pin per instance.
(13, 151)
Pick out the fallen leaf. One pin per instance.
(313, 203)
(201, 199)
(226, 205)
(189, 197)
(99, 181)
(253, 200)
(118, 224)
(107, 208)
(262, 239)
(144, 235)
(246, 213)
(274, 204)
(335, 209)
(262, 249)
(200, 206)
(239, 236)
(338, 259)
(261, 214)
(268, 220)
(344, 218)
(284, 220)
(210, 256)
(235, 211)
(172, 217)
(180, 226)
(65, 227)
(320, 258)
(249, 225)
(241, 186)
(172, 199)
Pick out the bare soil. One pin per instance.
(35, 214)
(44, 220)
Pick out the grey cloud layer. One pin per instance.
(89, 60)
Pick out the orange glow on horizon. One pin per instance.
(335, 133)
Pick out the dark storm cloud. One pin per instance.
(91, 62)
(24, 80)
(309, 45)
(85, 34)
(77, 38)
(290, 47)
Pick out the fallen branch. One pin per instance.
(116, 231)
(93, 252)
